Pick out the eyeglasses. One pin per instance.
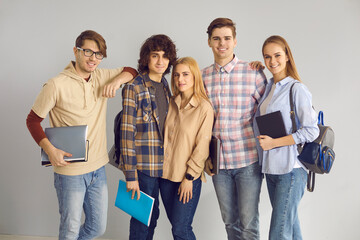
(89, 53)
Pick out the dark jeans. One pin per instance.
(138, 230)
(179, 214)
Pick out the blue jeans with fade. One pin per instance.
(179, 214)
(285, 192)
(86, 192)
(238, 193)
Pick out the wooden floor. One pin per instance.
(16, 237)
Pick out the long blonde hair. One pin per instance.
(290, 66)
(199, 90)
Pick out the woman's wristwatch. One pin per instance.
(189, 177)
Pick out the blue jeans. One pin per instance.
(150, 186)
(179, 214)
(285, 192)
(238, 193)
(86, 192)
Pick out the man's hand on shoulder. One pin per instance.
(256, 65)
(111, 88)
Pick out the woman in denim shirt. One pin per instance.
(285, 175)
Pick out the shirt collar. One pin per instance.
(284, 81)
(228, 67)
(192, 103)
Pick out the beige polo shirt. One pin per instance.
(187, 138)
(70, 100)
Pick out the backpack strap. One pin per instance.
(292, 109)
(311, 175)
(311, 181)
(321, 118)
(293, 114)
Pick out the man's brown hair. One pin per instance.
(219, 23)
(92, 35)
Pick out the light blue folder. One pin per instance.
(140, 209)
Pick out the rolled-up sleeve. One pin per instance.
(308, 129)
(200, 152)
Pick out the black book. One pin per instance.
(271, 124)
(215, 154)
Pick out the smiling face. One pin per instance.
(184, 79)
(222, 43)
(275, 60)
(86, 65)
(157, 65)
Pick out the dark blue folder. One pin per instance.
(271, 124)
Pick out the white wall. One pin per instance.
(36, 41)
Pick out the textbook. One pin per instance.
(69, 139)
(271, 124)
(214, 154)
(140, 209)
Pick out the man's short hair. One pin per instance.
(92, 35)
(219, 23)
(159, 42)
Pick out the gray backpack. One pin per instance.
(317, 156)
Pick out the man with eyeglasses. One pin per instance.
(78, 96)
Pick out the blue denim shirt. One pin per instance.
(282, 160)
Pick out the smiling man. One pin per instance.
(77, 96)
(234, 89)
(145, 106)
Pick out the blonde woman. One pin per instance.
(285, 176)
(188, 129)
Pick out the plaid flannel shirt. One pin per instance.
(142, 146)
(234, 91)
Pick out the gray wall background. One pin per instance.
(37, 37)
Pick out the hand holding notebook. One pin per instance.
(70, 139)
(140, 209)
(271, 124)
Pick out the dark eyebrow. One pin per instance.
(224, 36)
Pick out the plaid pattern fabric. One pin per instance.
(141, 143)
(234, 91)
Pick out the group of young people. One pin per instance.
(165, 136)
